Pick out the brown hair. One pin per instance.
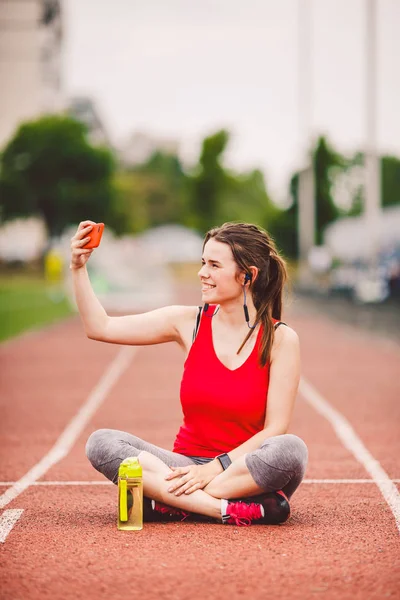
(253, 246)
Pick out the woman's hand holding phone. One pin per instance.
(86, 238)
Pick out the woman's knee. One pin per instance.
(291, 449)
(299, 451)
(96, 445)
(297, 444)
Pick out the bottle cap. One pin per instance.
(130, 467)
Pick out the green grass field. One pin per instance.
(25, 303)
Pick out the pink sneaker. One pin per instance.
(267, 509)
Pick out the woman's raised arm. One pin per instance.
(153, 327)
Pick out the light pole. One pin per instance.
(306, 190)
(372, 193)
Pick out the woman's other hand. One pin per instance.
(192, 477)
(80, 255)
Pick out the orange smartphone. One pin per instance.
(95, 236)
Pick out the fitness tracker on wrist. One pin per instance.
(224, 460)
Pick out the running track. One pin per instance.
(58, 523)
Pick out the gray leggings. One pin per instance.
(278, 464)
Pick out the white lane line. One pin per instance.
(353, 443)
(7, 522)
(68, 437)
(8, 483)
(316, 481)
(350, 481)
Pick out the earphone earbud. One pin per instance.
(247, 278)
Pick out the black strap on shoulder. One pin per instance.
(196, 327)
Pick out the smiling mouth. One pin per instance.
(207, 287)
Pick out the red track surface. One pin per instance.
(340, 542)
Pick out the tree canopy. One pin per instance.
(50, 169)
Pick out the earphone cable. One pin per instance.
(246, 312)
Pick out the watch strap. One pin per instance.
(224, 460)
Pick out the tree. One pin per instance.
(390, 183)
(244, 197)
(325, 160)
(390, 180)
(208, 184)
(130, 211)
(163, 182)
(150, 194)
(284, 226)
(50, 169)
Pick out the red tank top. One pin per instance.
(222, 408)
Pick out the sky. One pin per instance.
(186, 68)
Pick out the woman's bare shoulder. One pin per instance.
(285, 338)
(186, 313)
(185, 323)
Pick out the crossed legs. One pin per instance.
(279, 464)
(156, 487)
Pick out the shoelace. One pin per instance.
(241, 513)
(170, 510)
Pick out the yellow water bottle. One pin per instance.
(130, 495)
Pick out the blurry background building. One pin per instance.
(31, 37)
(347, 239)
(22, 240)
(84, 109)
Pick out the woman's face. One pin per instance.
(218, 274)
